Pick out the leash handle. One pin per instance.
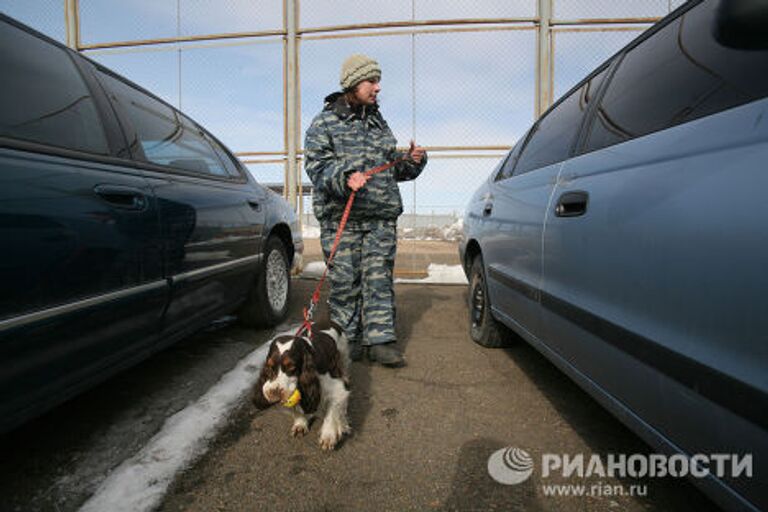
(308, 312)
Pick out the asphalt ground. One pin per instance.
(422, 434)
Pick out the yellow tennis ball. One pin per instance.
(293, 400)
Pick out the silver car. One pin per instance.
(623, 237)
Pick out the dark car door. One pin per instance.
(82, 286)
(211, 217)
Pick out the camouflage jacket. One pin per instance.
(344, 139)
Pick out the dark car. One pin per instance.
(124, 226)
(624, 238)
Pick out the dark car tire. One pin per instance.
(267, 302)
(483, 328)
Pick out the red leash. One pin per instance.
(308, 312)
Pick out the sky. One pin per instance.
(447, 89)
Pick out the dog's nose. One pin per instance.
(273, 395)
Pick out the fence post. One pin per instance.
(72, 22)
(544, 57)
(291, 185)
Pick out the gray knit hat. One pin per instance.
(357, 68)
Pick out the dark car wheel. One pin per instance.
(267, 303)
(483, 328)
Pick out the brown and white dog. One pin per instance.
(318, 367)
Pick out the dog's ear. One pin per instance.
(268, 372)
(309, 383)
(336, 366)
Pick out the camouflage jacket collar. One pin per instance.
(338, 103)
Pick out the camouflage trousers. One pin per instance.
(362, 297)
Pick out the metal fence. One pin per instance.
(464, 79)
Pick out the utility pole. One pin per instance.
(72, 21)
(291, 11)
(544, 58)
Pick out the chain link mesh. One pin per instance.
(47, 16)
(202, 17)
(144, 19)
(456, 9)
(127, 20)
(602, 9)
(236, 92)
(326, 13)
(458, 85)
(465, 98)
(270, 175)
(578, 53)
(320, 64)
(155, 69)
(323, 13)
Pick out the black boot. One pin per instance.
(356, 351)
(386, 354)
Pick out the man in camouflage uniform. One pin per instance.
(350, 136)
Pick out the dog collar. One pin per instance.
(293, 400)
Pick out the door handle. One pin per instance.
(255, 205)
(487, 209)
(125, 198)
(572, 204)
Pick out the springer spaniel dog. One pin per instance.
(316, 366)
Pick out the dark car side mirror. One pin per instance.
(742, 24)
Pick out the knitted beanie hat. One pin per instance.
(357, 68)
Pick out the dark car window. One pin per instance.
(166, 136)
(508, 164)
(224, 156)
(678, 74)
(554, 135)
(43, 97)
(498, 170)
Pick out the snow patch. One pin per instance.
(140, 482)
(310, 232)
(442, 274)
(313, 269)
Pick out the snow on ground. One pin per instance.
(313, 269)
(308, 232)
(440, 274)
(454, 231)
(140, 482)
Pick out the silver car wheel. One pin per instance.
(277, 281)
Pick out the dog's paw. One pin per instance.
(299, 429)
(332, 432)
(329, 439)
